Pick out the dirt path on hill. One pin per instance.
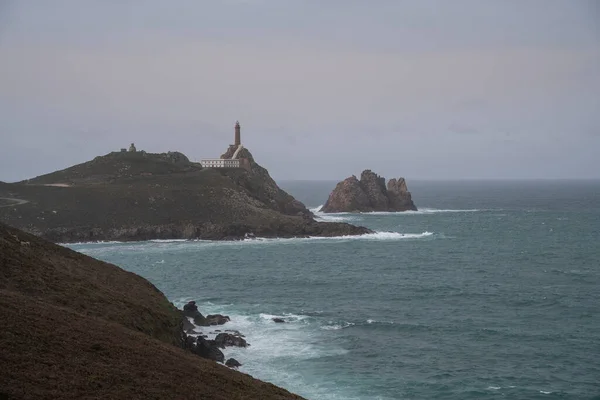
(17, 202)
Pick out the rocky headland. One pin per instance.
(75, 327)
(369, 194)
(126, 196)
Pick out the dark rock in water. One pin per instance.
(191, 310)
(226, 339)
(233, 363)
(211, 320)
(188, 327)
(236, 333)
(189, 343)
(399, 196)
(369, 194)
(208, 349)
(278, 320)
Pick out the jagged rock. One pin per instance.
(211, 320)
(188, 327)
(374, 187)
(208, 349)
(191, 310)
(278, 320)
(233, 363)
(399, 196)
(226, 339)
(189, 343)
(369, 194)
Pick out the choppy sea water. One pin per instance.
(491, 290)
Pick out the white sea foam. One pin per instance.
(420, 211)
(149, 247)
(494, 387)
(333, 217)
(271, 344)
(374, 321)
(346, 216)
(368, 236)
(317, 209)
(336, 326)
(382, 235)
(286, 317)
(88, 243)
(168, 240)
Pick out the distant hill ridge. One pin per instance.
(118, 165)
(142, 196)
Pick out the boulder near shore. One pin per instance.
(368, 194)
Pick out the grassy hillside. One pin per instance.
(116, 166)
(125, 196)
(74, 327)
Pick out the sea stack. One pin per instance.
(369, 194)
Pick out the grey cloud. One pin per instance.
(463, 129)
(398, 88)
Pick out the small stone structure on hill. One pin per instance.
(132, 148)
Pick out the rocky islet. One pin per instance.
(369, 194)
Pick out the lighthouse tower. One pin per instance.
(238, 135)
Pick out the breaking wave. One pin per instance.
(154, 246)
(274, 347)
(347, 216)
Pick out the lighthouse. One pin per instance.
(238, 135)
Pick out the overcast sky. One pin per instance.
(322, 88)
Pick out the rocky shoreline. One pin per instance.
(106, 332)
(210, 343)
(202, 339)
(294, 229)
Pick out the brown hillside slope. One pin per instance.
(62, 277)
(74, 327)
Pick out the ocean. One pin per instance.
(491, 290)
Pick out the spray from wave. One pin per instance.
(274, 347)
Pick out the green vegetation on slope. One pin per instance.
(115, 197)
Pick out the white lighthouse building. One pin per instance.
(234, 161)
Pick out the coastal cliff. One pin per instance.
(368, 194)
(142, 196)
(74, 327)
